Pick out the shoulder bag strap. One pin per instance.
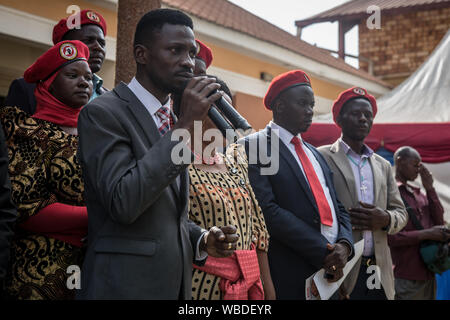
(412, 215)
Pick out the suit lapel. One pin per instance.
(181, 190)
(377, 175)
(345, 169)
(184, 187)
(138, 110)
(144, 118)
(293, 164)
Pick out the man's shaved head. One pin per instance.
(406, 152)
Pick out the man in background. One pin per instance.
(309, 227)
(203, 58)
(92, 33)
(365, 185)
(413, 281)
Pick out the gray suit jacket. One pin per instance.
(140, 243)
(386, 197)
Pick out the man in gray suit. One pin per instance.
(141, 244)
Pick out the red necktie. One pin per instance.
(322, 204)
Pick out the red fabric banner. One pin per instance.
(432, 140)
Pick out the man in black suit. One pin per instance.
(309, 227)
(141, 244)
(8, 213)
(92, 33)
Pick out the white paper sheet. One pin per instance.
(325, 288)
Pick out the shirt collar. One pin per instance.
(407, 186)
(283, 134)
(367, 151)
(97, 83)
(150, 102)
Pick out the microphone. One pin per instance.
(219, 120)
(238, 121)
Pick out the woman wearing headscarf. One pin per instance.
(46, 177)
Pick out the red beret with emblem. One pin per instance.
(86, 17)
(283, 82)
(58, 56)
(204, 53)
(352, 93)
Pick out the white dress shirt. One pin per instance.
(152, 105)
(148, 100)
(329, 232)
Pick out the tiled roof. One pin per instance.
(229, 15)
(357, 8)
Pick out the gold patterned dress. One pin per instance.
(225, 198)
(43, 169)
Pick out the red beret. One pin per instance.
(86, 17)
(283, 82)
(355, 92)
(204, 53)
(61, 54)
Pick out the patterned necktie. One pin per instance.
(163, 114)
(322, 204)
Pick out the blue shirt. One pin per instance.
(362, 171)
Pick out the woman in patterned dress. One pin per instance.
(45, 175)
(220, 194)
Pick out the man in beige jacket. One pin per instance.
(365, 185)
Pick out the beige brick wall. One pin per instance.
(403, 43)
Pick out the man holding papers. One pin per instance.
(366, 186)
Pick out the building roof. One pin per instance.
(357, 9)
(229, 15)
